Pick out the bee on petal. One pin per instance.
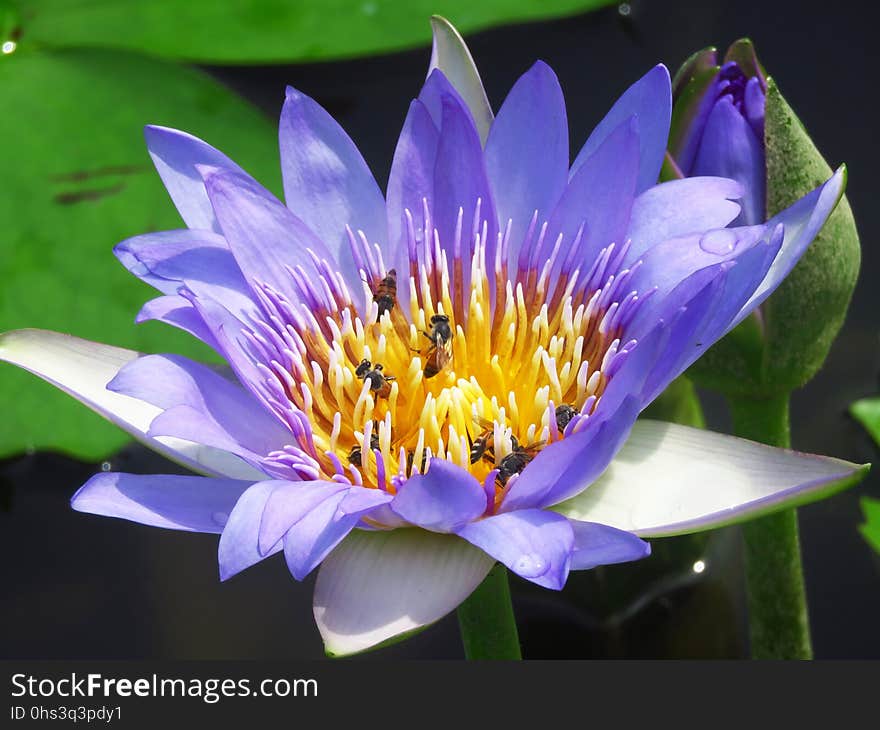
(516, 461)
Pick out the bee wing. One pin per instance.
(533, 448)
(446, 350)
(484, 423)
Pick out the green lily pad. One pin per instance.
(77, 180)
(266, 31)
(871, 528)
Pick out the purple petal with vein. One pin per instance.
(214, 403)
(681, 207)
(264, 236)
(194, 504)
(327, 184)
(176, 156)
(528, 172)
(650, 100)
(596, 545)
(442, 500)
(534, 544)
(729, 148)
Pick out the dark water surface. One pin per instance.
(78, 586)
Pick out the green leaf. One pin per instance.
(267, 31)
(871, 528)
(77, 180)
(867, 412)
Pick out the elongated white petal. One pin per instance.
(451, 55)
(669, 480)
(82, 368)
(377, 585)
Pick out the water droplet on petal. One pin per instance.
(8, 47)
(719, 242)
(530, 565)
(106, 466)
(221, 518)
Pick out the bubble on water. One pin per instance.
(719, 242)
(106, 466)
(624, 10)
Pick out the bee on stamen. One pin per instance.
(410, 456)
(380, 384)
(355, 455)
(516, 461)
(564, 414)
(440, 353)
(385, 293)
(362, 369)
(484, 446)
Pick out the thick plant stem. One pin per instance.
(778, 619)
(679, 403)
(488, 628)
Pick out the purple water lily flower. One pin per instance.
(449, 375)
(719, 127)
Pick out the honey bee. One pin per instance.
(516, 461)
(385, 293)
(564, 414)
(441, 331)
(355, 455)
(380, 384)
(362, 369)
(483, 447)
(438, 358)
(440, 353)
(410, 456)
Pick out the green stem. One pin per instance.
(778, 618)
(488, 628)
(679, 403)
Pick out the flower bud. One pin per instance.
(730, 119)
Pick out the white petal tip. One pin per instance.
(670, 480)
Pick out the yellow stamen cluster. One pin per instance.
(511, 364)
